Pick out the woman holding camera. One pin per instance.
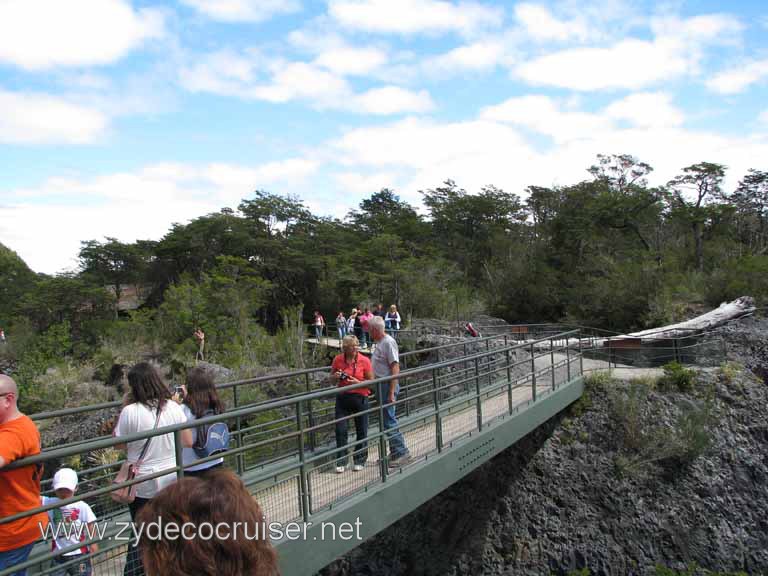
(351, 367)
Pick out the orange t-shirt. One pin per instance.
(20, 488)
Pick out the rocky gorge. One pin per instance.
(638, 477)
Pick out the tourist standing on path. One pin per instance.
(351, 367)
(359, 324)
(2, 336)
(351, 322)
(200, 339)
(364, 320)
(379, 311)
(392, 321)
(200, 400)
(341, 325)
(386, 362)
(149, 406)
(19, 488)
(319, 325)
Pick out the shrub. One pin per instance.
(677, 378)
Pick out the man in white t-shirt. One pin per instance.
(72, 524)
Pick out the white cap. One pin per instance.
(65, 478)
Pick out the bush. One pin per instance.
(677, 378)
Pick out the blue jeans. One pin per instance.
(364, 340)
(342, 331)
(396, 442)
(318, 332)
(16, 556)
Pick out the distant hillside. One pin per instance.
(15, 279)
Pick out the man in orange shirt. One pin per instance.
(20, 488)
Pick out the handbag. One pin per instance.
(127, 472)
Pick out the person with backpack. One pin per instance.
(201, 400)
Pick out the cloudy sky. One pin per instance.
(120, 117)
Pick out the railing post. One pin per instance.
(240, 458)
(552, 361)
(438, 418)
(179, 453)
(382, 436)
(466, 380)
(404, 390)
(581, 358)
(303, 477)
(568, 359)
(311, 416)
(509, 378)
(479, 400)
(533, 373)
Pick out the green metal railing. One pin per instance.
(282, 448)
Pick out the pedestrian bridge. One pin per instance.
(460, 405)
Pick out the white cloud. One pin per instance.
(628, 64)
(647, 109)
(482, 55)
(414, 16)
(30, 118)
(75, 209)
(740, 78)
(421, 154)
(543, 115)
(351, 61)
(243, 10)
(676, 51)
(43, 34)
(364, 183)
(541, 25)
(763, 117)
(393, 100)
(240, 75)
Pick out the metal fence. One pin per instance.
(283, 448)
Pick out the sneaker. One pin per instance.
(400, 461)
(357, 467)
(339, 469)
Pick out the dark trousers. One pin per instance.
(133, 563)
(347, 405)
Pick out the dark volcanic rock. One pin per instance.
(555, 503)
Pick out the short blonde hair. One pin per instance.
(349, 341)
(393, 308)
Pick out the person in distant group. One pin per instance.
(386, 362)
(359, 324)
(200, 339)
(341, 325)
(392, 321)
(351, 322)
(351, 367)
(75, 515)
(379, 311)
(319, 324)
(148, 406)
(19, 488)
(241, 544)
(200, 399)
(364, 321)
(2, 336)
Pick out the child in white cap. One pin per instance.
(70, 524)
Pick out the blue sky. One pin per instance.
(120, 117)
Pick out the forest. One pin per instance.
(610, 252)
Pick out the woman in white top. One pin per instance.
(147, 404)
(200, 399)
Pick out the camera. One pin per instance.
(179, 390)
(343, 376)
